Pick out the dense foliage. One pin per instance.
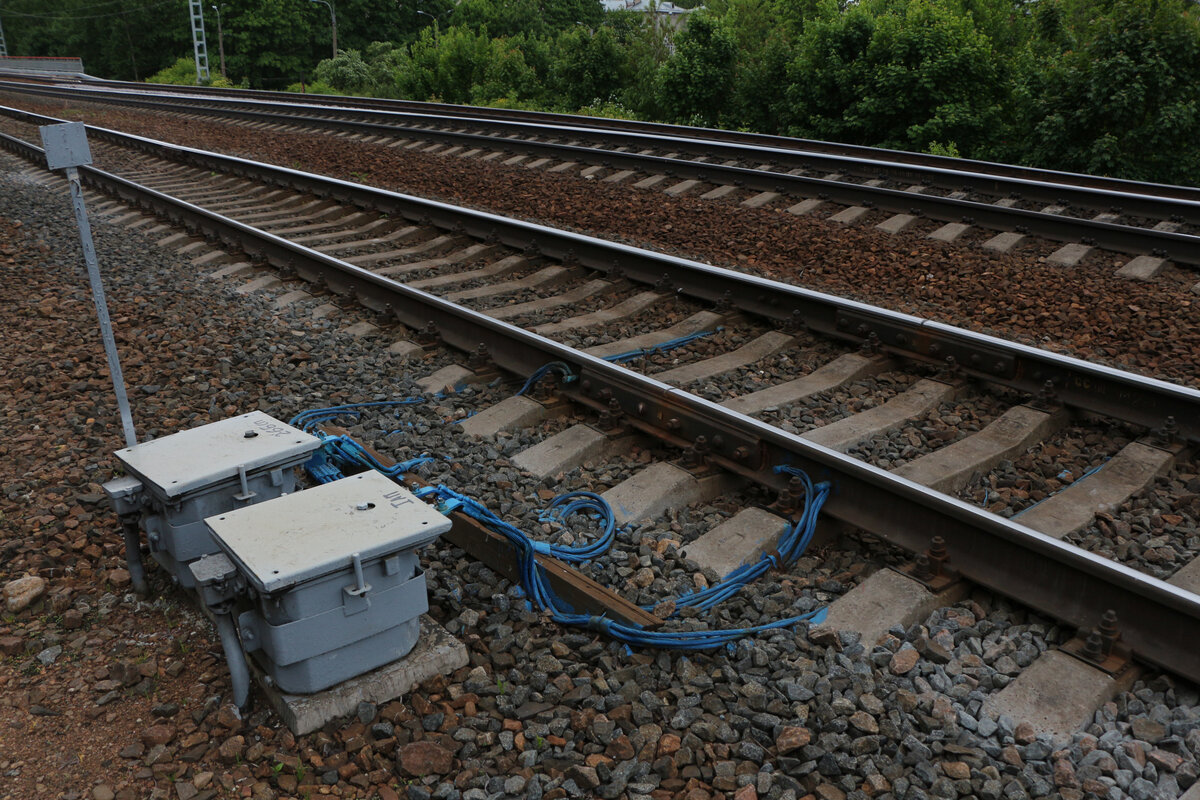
(1105, 86)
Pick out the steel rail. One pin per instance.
(1095, 388)
(1043, 573)
(705, 134)
(1119, 237)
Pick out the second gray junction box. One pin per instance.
(335, 578)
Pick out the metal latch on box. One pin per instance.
(355, 599)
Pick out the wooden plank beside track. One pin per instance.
(581, 592)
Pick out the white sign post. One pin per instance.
(67, 148)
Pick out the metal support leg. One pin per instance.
(239, 671)
(133, 553)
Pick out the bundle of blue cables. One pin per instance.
(341, 453)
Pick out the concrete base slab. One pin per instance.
(568, 449)
(1192, 793)
(921, 397)
(618, 177)
(661, 486)
(1069, 254)
(294, 296)
(446, 379)
(950, 232)
(950, 468)
(405, 349)
(765, 345)
(230, 270)
(436, 245)
(211, 258)
(537, 162)
(1057, 694)
(1188, 578)
(1072, 509)
(510, 414)
(1168, 226)
(360, 329)
(884, 599)
(436, 653)
(590, 172)
(739, 540)
(626, 308)
(563, 167)
(543, 277)
(851, 215)
(174, 240)
(262, 282)
(1003, 242)
(398, 235)
(896, 224)
(1143, 268)
(700, 321)
(841, 370)
(502, 267)
(473, 252)
(761, 199)
(546, 303)
(805, 206)
(683, 187)
(324, 310)
(719, 192)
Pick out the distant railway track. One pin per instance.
(515, 296)
(1155, 224)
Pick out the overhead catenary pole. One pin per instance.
(3, 45)
(67, 148)
(332, 22)
(199, 45)
(220, 41)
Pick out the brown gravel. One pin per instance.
(1086, 311)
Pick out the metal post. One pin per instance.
(106, 332)
(66, 147)
(332, 22)
(220, 41)
(3, 45)
(199, 45)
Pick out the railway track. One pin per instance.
(728, 376)
(949, 199)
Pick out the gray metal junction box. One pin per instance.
(175, 482)
(325, 583)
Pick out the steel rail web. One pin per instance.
(1096, 388)
(446, 110)
(1179, 247)
(1054, 578)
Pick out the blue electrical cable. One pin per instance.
(621, 358)
(338, 453)
(560, 367)
(309, 420)
(567, 505)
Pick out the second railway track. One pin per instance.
(802, 362)
(1157, 225)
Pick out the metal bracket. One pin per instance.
(932, 568)
(919, 342)
(355, 600)
(1102, 648)
(245, 495)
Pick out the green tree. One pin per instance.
(1125, 100)
(695, 81)
(585, 67)
(900, 74)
